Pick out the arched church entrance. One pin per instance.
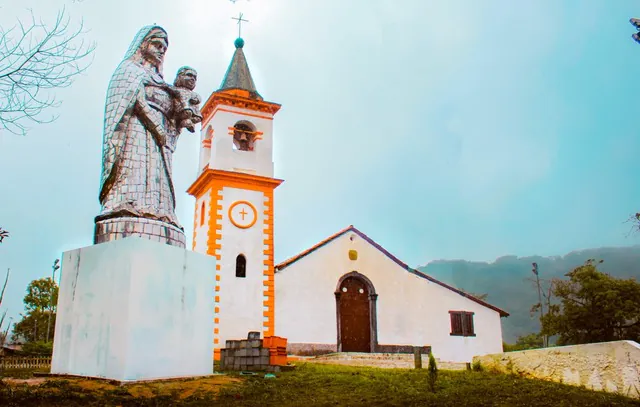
(356, 313)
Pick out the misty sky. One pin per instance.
(442, 129)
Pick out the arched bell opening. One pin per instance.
(244, 136)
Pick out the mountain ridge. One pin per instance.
(559, 256)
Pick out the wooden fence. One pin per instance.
(25, 362)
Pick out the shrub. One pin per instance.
(40, 348)
(432, 373)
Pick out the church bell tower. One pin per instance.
(234, 203)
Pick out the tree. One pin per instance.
(544, 298)
(39, 295)
(36, 58)
(481, 297)
(594, 307)
(531, 341)
(39, 303)
(4, 332)
(32, 327)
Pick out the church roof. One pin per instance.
(238, 75)
(351, 228)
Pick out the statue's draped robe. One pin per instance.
(136, 173)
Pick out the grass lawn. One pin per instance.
(311, 385)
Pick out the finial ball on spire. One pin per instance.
(239, 42)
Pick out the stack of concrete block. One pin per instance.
(254, 354)
(244, 355)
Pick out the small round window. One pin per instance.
(344, 289)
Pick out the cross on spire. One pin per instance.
(240, 20)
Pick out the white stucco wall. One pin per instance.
(224, 157)
(241, 299)
(410, 309)
(133, 309)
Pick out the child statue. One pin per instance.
(187, 102)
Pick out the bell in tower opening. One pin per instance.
(243, 137)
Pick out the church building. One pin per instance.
(348, 294)
(345, 294)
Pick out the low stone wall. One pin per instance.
(311, 349)
(610, 366)
(424, 350)
(316, 349)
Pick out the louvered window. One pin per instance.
(462, 323)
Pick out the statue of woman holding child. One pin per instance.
(143, 119)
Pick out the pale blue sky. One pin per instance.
(442, 129)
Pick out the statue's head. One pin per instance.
(154, 46)
(150, 44)
(186, 78)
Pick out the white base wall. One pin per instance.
(133, 309)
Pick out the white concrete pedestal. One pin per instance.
(133, 309)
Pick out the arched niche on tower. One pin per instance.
(245, 136)
(208, 135)
(205, 151)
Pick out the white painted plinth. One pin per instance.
(133, 309)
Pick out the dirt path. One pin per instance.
(183, 388)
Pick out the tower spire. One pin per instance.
(238, 75)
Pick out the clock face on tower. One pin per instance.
(243, 214)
